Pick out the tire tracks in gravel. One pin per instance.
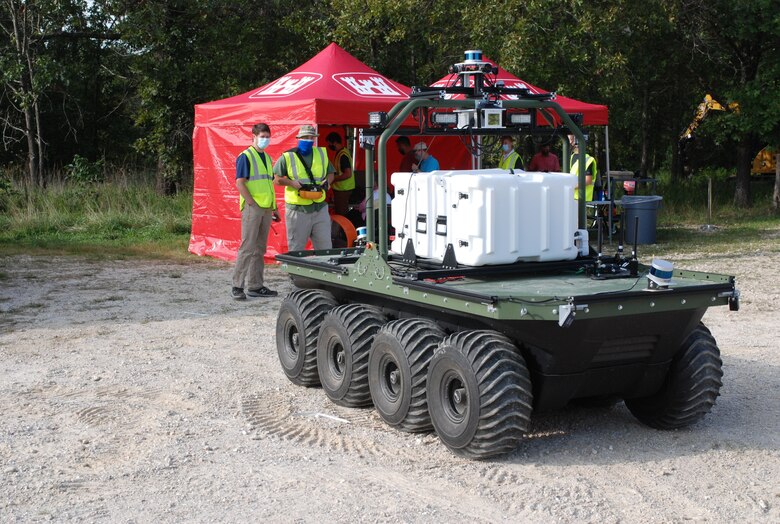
(360, 432)
(334, 429)
(95, 424)
(97, 406)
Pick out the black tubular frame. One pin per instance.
(401, 111)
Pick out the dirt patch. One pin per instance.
(141, 390)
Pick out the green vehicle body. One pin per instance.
(581, 332)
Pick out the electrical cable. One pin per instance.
(535, 302)
(406, 208)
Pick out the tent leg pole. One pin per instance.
(354, 143)
(370, 193)
(609, 183)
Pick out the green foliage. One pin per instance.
(99, 214)
(405, 37)
(117, 80)
(7, 192)
(193, 51)
(82, 171)
(685, 201)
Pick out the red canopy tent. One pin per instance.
(332, 89)
(593, 114)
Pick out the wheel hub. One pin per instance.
(293, 339)
(459, 396)
(454, 398)
(391, 381)
(338, 358)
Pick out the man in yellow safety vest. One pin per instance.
(510, 159)
(257, 201)
(591, 171)
(306, 173)
(344, 181)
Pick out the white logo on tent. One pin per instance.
(366, 84)
(287, 85)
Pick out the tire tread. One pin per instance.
(361, 323)
(312, 305)
(691, 389)
(419, 339)
(506, 397)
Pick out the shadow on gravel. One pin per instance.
(746, 417)
(73, 291)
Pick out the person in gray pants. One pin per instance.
(306, 173)
(257, 201)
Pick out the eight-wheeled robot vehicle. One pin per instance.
(489, 303)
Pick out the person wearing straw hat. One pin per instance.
(306, 173)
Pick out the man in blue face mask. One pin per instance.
(257, 201)
(509, 157)
(306, 173)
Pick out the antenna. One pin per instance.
(599, 221)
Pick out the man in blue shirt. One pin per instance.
(425, 162)
(254, 181)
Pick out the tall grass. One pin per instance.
(123, 215)
(108, 216)
(685, 201)
(684, 211)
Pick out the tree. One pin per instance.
(776, 192)
(412, 41)
(51, 50)
(24, 79)
(620, 53)
(734, 45)
(186, 52)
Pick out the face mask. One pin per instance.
(506, 147)
(262, 142)
(304, 146)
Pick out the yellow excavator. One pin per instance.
(763, 163)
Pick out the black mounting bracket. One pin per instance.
(449, 262)
(410, 257)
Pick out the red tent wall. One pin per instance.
(332, 89)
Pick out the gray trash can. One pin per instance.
(646, 208)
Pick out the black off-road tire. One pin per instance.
(479, 394)
(397, 369)
(343, 347)
(297, 329)
(692, 384)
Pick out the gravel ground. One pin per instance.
(137, 391)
